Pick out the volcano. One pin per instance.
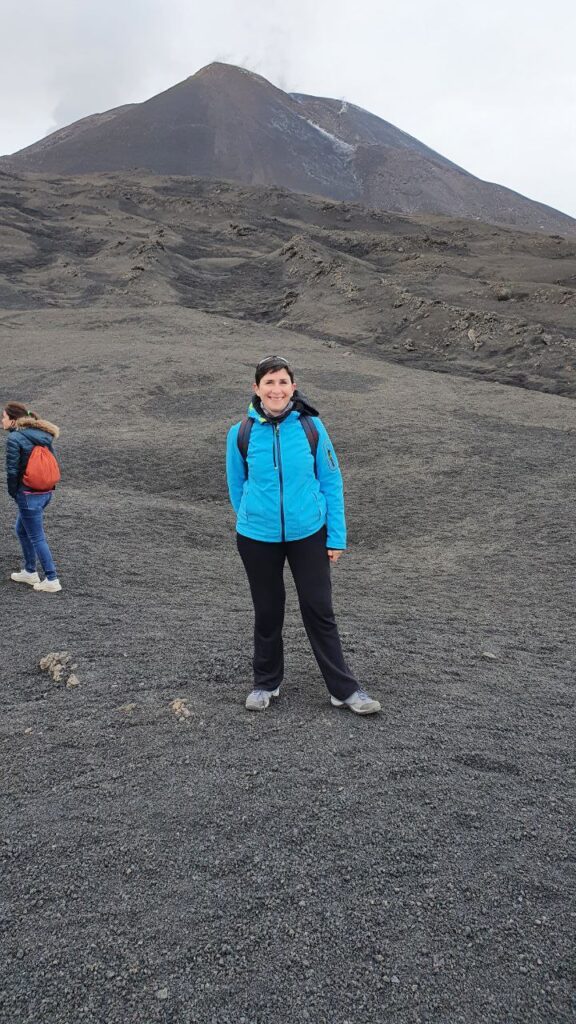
(227, 123)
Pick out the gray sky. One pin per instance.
(491, 85)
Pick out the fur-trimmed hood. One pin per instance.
(28, 422)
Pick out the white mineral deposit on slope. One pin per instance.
(338, 143)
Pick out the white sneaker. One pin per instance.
(49, 586)
(258, 700)
(25, 577)
(359, 702)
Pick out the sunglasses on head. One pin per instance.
(272, 359)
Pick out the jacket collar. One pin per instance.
(299, 405)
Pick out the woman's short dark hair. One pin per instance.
(17, 411)
(271, 364)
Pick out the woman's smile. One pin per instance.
(275, 390)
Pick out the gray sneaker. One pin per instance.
(359, 702)
(258, 700)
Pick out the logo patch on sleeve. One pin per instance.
(330, 457)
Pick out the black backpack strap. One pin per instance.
(311, 431)
(244, 439)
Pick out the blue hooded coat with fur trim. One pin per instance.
(22, 438)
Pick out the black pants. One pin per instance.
(310, 566)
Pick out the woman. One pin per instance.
(27, 431)
(286, 489)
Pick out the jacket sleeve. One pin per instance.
(235, 468)
(13, 454)
(330, 480)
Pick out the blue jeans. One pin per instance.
(29, 529)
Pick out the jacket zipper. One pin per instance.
(277, 432)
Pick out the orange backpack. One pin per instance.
(42, 471)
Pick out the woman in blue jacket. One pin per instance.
(286, 489)
(26, 431)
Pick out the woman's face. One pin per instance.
(6, 421)
(275, 390)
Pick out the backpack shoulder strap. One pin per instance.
(311, 431)
(244, 438)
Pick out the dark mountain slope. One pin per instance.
(222, 122)
(356, 126)
(39, 151)
(400, 173)
(227, 123)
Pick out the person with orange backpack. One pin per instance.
(32, 474)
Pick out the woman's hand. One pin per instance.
(334, 555)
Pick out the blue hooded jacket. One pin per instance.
(281, 497)
(27, 433)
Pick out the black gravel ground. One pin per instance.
(305, 864)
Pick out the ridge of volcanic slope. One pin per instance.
(222, 122)
(70, 133)
(398, 172)
(449, 295)
(228, 123)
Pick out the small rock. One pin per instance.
(180, 708)
(162, 993)
(59, 666)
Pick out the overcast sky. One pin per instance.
(491, 85)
